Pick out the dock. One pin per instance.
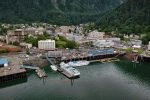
(59, 69)
(64, 73)
(13, 71)
(95, 58)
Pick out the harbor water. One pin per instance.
(121, 80)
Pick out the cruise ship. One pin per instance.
(78, 63)
(70, 70)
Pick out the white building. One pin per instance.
(95, 35)
(136, 43)
(104, 43)
(60, 33)
(149, 46)
(107, 42)
(114, 39)
(26, 45)
(2, 38)
(46, 44)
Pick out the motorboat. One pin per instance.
(53, 67)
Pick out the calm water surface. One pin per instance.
(110, 81)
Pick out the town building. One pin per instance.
(2, 38)
(149, 46)
(107, 42)
(26, 45)
(103, 43)
(15, 35)
(18, 35)
(95, 35)
(136, 43)
(34, 31)
(3, 62)
(46, 44)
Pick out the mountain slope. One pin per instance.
(132, 16)
(54, 11)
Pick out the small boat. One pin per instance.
(78, 63)
(53, 67)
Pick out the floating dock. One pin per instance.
(41, 73)
(64, 73)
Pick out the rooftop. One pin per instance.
(14, 65)
(47, 40)
(3, 61)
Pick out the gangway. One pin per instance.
(49, 60)
(29, 67)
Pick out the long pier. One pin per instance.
(95, 58)
(41, 73)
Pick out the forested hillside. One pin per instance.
(54, 11)
(130, 17)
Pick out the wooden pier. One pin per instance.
(11, 75)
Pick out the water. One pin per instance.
(110, 81)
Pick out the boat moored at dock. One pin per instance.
(53, 67)
(78, 63)
(69, 70)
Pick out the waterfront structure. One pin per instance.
(46, 44)
(55, 53)
(11, 70)
(95, 35)
(3, 62)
